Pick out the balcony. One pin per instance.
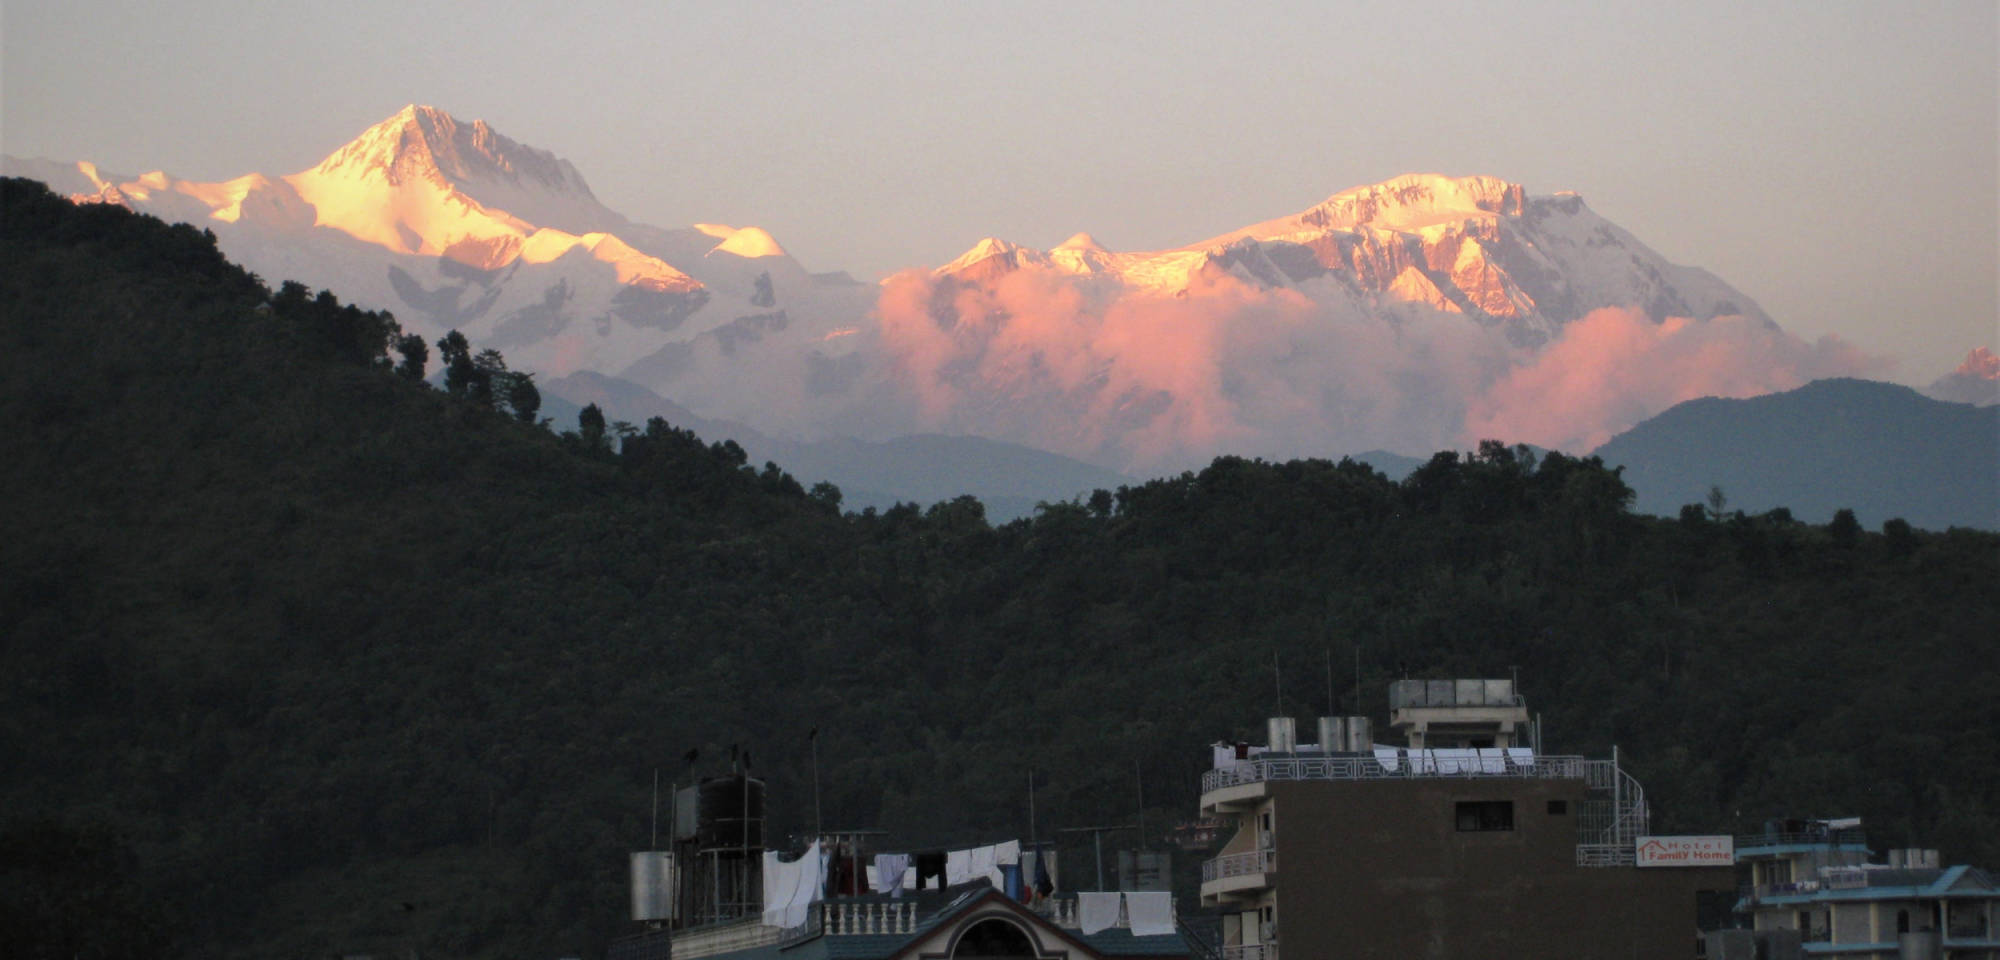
(1398, 765)
(1250, 951)
(1237, 875)
(1240, 865)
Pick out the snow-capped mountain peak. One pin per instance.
(420, 142)
(422, 180)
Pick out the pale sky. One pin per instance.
(1834, 160)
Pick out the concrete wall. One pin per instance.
(1379, 869)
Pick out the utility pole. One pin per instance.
(1097, 841)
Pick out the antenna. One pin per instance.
(1357, 678)
(1280, 678)
(1140, 783)
(656, 810)
(1331, 708)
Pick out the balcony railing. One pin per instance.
(1240, 865)
(1405, 765)
(1250, 951)
(1794, 888)
(1807, 838)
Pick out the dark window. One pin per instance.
(1484, 815)
(995, 939)
(1558, 808)
(1902, 921)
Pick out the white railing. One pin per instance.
(841, 918)
(1251, 951)
(1240, 865)
(1410, 766)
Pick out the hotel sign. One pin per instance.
(1719, 851)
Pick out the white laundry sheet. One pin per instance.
(977, 863)
(791, 888)
(1096, 911)
(1151, 913)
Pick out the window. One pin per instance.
(1558, 808)
(993, 939)
(1479, 816)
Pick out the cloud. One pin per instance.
(1150, 382)
(1615, 368)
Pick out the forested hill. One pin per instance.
(306, 657)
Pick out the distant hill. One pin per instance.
(1879, 449)
(1010, 479)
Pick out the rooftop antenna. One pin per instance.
(1140, 783)
(656, 810)
(1332, 709)
(1280, 678)
(1357, 678)
(812, 737)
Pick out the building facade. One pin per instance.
(1811, 881)
(1464, 843)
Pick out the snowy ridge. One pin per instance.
(1474, 245)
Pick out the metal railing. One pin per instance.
(1414, 765)
(1240, 865)
(1251, 951)
(1790, 888)
(1808, 838)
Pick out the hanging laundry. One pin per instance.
(1150, 914)
(889, 870)
(1096, 911)
(1003, 854)
(792, 887)
(931, 863)
(1045, 883)
(957, 867)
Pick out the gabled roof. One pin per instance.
(966, 905)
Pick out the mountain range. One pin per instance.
(1372, 320)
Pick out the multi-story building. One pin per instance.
(1466, 842)
(1811, 881)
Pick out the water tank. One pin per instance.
(1283, 734)
(1360, 734)
(652, 886)
(1333, 734)
(729, 814)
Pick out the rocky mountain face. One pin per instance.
(1479, 246)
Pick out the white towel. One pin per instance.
(1003, 853)
(1096, 911)
(1386, 756)
(1150, 914)
(886, 876)
(1521, 756)
(791, 888)
(957, 867)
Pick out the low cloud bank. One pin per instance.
(1150, 383)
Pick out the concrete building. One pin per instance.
(1467, 843)
(1811, 882)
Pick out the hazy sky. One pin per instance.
(1834, 160)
